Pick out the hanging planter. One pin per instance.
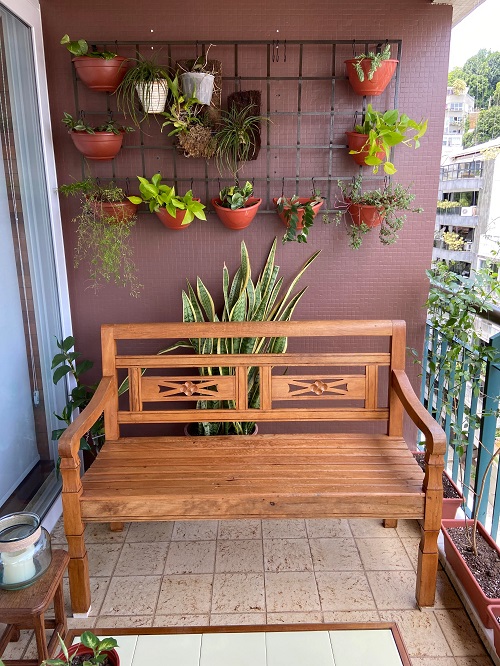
(152, 96)
(199, 85)
(119, 211)
(297, 214)
(369, 74)
(235, 206)
(360, 214)
(176, 222)
(357, 142)
(96, 143)
(100, 75)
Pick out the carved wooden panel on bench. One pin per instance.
(168, 389)
(318, 387)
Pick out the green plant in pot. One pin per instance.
(103, 234)
(149, 81)
(235, 206)
(370, 73)
(243, 300)
(174, 211)
(298, 214)
(99, 70)
(371, 142)
(375, 208)
(91, 651)
(96, 142)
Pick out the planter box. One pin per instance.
(451, 504)
(494, 612)
(478, 598)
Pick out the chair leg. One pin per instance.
(428, 558)
(116, 527)
(41, 640)
(390, 522)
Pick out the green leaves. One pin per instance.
(376, 60)
(298, 214)
(162, 196)
(81, 48)
(235, 197)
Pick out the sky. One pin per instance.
(479, 30)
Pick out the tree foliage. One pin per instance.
(487, 128)
(481, 73)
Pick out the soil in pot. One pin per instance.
(300, 212)
(485, 566)
(452, 499)
(381, 77)
(82, 653)
(239, 218)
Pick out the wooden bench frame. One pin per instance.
(395, 487)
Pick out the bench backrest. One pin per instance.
(317, 396)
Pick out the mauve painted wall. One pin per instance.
(374, 282)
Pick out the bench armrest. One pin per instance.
(435, 437)
(69, 443)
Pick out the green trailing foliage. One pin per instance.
(79, 125)
(144, 73)
(290, 209)
(97, 649)
(183, 111)
(376, 59)
(235, 197)
(81, 48)
(244, 300)
(159, 196)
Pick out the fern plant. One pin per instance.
(244, 300)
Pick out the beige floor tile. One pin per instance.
(433, 661)
(81, 623)
(371, 527)
(187, 594)
(238, 593)
(190, 557)
(98, 588)
(383, 554)
(344, 590)
(284, 529)
(131, 595)
(291, 592)
(421, 632)
(332, 528)
(16, 650)
(474, 661)
(31, 651)
(287, 555)
(57, 536)
(311, 617)
(410, 544)
(352, 616)
(239, 556)
(227, 619)
(148, 532)
(142, 559)
(201, 620)
(409, 529)
(100, 533)
(194, 530)
(335, 554)
(459, 633)
(393, 590)
(103, 558)
(124, 621)
(240, 529)
(446, 596)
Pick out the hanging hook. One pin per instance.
(273, 50)
(110, 114)
(192, 181)
(277, 50)
(353, 47)
(196, 49)
(313, 186)
(284, 52)
(127, 186)
(386, 182)
(220, 188)
(98, 181)
(81, 114)
(283, 187)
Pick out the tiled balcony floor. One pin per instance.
(257, 572)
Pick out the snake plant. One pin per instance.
(244, 300)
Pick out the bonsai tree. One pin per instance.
(298, 214)
(375, 208)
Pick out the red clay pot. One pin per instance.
(478, 598)
(99, 146)
(370, 215)
(300, 213)
(356, 141)
(99, 74)
(494, 612)
(239, 218)
(380, 79)
(120, 210)
(80, 648)
(173, 222)
(452, 504)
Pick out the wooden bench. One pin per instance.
(334, 475)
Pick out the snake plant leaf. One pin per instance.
(296, 279)
(251, 298)
(205, 300)
(195, 306)
(187, 309)
(234, 291)
(278, 345)
(225, 292)
(267, 272)
(288, 311)
(272, 299)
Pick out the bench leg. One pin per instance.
(427, 568)
(116, 527)
(390, 522)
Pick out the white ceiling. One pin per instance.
(461, 8)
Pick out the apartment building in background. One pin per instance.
(458, 107)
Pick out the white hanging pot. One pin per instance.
(199, 85)
(153, 96)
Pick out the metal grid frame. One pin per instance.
(273, 53)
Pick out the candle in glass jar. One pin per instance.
(18, 566)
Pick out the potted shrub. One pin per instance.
(236, 207)
(98, 70)
(174, 211)
(370, 73)
(297, 214)
(198, 79)
(371, 142)
(149, 81)
(102, 142)
(375, 208)
(92, 651)
(103, 234)
(240, 304)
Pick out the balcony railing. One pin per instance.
(469, 414)
(462, 170)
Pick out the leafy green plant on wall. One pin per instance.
(79, 125)
(298, 214)
(244, 300)
(80, 47)
(235, 197)
(159, 196)
(376, 59)
(146, 77)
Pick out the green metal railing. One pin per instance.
(469, 414)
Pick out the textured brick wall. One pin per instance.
(375, 282)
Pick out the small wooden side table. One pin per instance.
(25, 609)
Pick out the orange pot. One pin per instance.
(370, 215)
(356, 141)
(120, 210)
(99, 74)
(494, 612)
(300, 213)
(173, 222)
(239, 218)
(380, 80)
(80, 649)
(99, 146)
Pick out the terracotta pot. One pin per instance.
(370, 215)
(300, 213)
(380, 80)
(99, 74)
(240, 218)
(452, 504)
(120, 210)
(190, 427)
(356, 141)
(494, 612)
(173, 222)
(99, 146)
(80, 648)
(478, 598)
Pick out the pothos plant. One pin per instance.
(296, 213)
(80, 47)
(235, 197)
(376, 59)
